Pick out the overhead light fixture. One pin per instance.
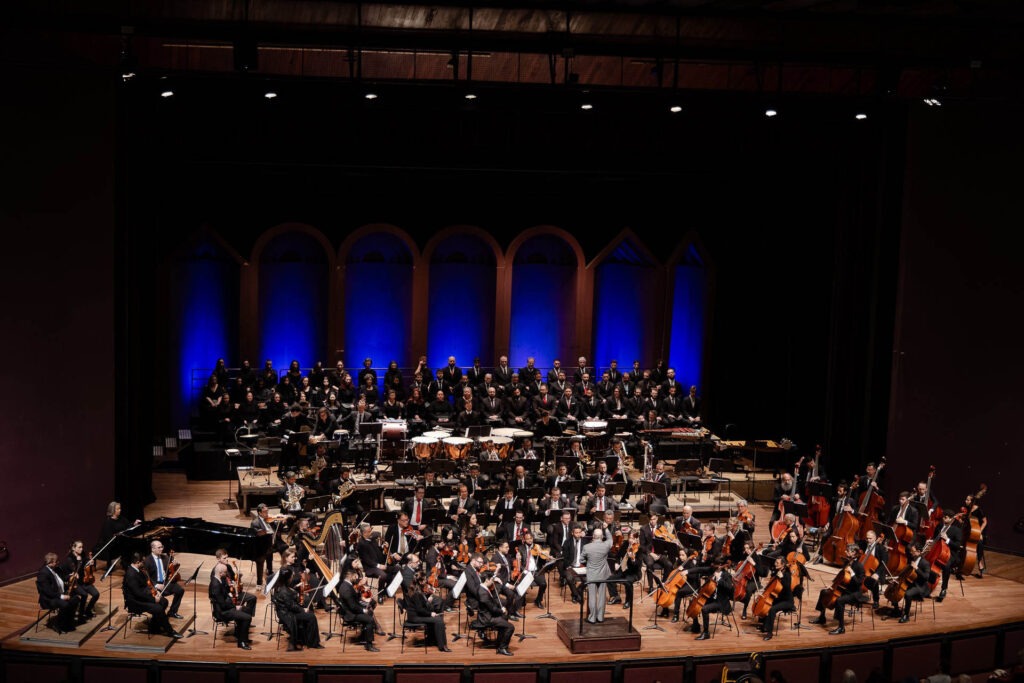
(675, 109)
(370, 95)
(270, 95)
(167, 93)
(127, 76)
(586, 106)
(470, 96)
(933, 101)
(860, 116)
(771, 112)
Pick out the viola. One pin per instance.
(698, 601)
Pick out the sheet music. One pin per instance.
(332, 584)
(394, 585)
(270, 584)
(524, 584)
(459, 585)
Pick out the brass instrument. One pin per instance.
(346, 489)
(294, 497)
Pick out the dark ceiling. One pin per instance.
(902, 48)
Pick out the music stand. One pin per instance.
(492, 467)
(795, 507)
(442, 467)
(657, 489)
(686, 465)
(478, 431)
(525, 581)
(232, 456)
(110, 595)
(531, 466)
(374, 429)
(820, 488)
(547, 609)
(576, 487)
(659, 585)
(315, 503)
(571, 462)
(380, 517)
(192, 579)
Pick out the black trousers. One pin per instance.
(242, 621)
(434, 626)
(157, 611)
(66, 613)
(769, 622)
(87, 594)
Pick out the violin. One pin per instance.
(617, 538)
(463, 555)
(540, 554)
(666, 535)
(480, 543)
(87, 572)
(173, 568)
(633, 549)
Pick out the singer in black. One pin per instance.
(222, 603)
(54, 594)
(139, 598)
(156, 565)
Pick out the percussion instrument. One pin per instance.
(439, 434)
(393, 429)
(503, 444)
(504, 431)
(457, 447)
(340, 434)
(425, 447)
(248, 437)
(594, 425)
(522, 434)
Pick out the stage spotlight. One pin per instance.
(270, 95)
(586, 106)
(771, 112)
(675, 109)
(860, 116)
(370, 95)
(167, 93)
(470, 96)
(127, 76)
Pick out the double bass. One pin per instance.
(972, 537)
(818, 507)
(870, 506)
(844, 528)
(934, 518)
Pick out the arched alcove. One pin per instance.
(461, 305)
(294, 271)
(690, 277)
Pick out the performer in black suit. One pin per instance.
(452, 375)
(354, 610)
(53, 594)
(139, 598)
(572, 556)
(156, 564)
(74, 566)
(850, 591)
(876, 549)
(951, 535)
(649, 557)
(721, 599)
(691, 407)
(904, 513)
(922, 585)
(784, 601)
(418, 610)
(462, 504)
(223, 606)
(416, 505)
(371, 555)
(532, 563)
(300, 625)
(493, 614)
(506, 508)
(244, 600)
(265, 526)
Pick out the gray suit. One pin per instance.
(595, 557)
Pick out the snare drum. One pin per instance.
(457, 447)
(594, 425)
(425, 447)
(503, 444)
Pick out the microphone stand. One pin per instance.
(195, 587)
(110, 593)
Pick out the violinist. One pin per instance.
(782, 582)
(737, 537)
(720, 600)
(301, 626)
(904, 513)
(848, 583)
(354, 609)
(746, 517)
(649, 557)
(410, 570)
(54, 594)
(921, 587)
(224, 607)
(75, 565)
(950, 534)
(572, 559)
(243, 600)
(531, 560)
(687, 524)
(420, 611)
(629, 562)
(435, 557)
(512, 530)
(492, 613)
(139, 597)
(371, 553)
(403, 538)
(156, 565)
(504, 582)
(558, 531)
(876, 549)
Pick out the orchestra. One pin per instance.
(547, 498)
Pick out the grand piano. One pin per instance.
(192, 535)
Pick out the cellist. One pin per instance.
(950, 534)
(749, 576)
(690, 569)
(720, 600)
(904, 513)
(782, 583)
(848, 583)
(922, 586)
(880, 552)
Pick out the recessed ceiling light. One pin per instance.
(167, 93)
(470, 96)
(675, 109)
(770, 112)
(370, 95)
(270, 95)
(860, 116)
(586, 107)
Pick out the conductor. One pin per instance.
(595, 558)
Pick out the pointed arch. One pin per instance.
(689, 297)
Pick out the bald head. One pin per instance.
(598, 534)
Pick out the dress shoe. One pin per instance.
(575, 600)
(513, 617)
(941, 596)
(837, 631)
(176, 616)
(876, 606)
(627, 605)
(517, 615)
(371, 648)
(444, 649)
(539, 604)
(504, 651)
(767, 636)
(175, 635)
(318, 646)
(820, 621)
(380, 632)
(905, 618)
(703, 636)
(242, 645)
(90, 615)
(675, 618)
(292, 647)
(613, 601)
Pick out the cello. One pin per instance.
(897, 589)
(742, 576)
(838, 587)
(871, 504)
(666, 597)
(701, 598)
(763, 602)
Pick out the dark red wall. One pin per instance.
(57, 341)
(957, 363)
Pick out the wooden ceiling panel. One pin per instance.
(602, 71)
(385, 66)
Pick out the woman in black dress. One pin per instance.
(301, 626)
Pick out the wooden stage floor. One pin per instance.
(991, 602)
